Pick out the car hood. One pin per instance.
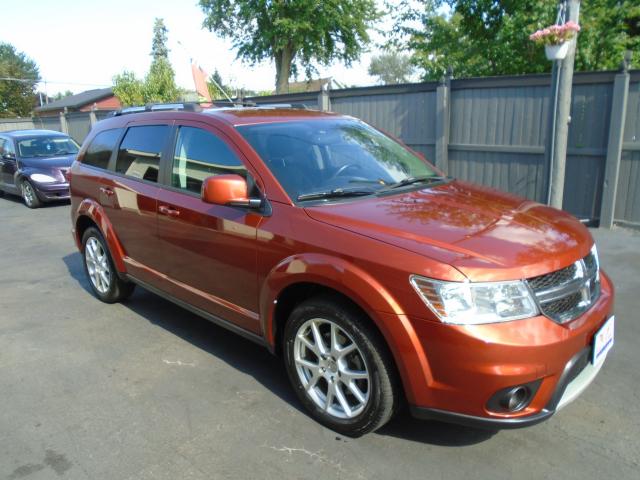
(49, 162)
(485, 234)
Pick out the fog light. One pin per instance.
(513, 399)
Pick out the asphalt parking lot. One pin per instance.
(147, 390)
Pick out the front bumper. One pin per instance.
(52, 191)
(467, 365)
(576, 377)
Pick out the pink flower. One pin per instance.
(571, 25)
(555, 34)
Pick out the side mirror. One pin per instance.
(230, 189)
(8, 156)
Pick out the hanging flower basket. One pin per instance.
(556, 52)
(556, 39)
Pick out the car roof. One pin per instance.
(234, 116)
(254, 115)
(33, 133)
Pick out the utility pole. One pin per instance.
(558, 158)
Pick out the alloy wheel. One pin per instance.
(331, 368)
(28, 194)
(97, 265)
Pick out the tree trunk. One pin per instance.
(283, 59)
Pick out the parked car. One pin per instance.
(34, 164)
(378, 279)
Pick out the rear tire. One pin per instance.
(29, 195)
(100, 271)
(340, 367)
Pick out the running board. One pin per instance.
(204, 314)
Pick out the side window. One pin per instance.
(99, 152)
(6, 147)
(200, 154)
(140, 151)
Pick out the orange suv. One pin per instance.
(379, 280)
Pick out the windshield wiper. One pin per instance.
(411, 180)
(335, 193)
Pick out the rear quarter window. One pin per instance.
(99, 151)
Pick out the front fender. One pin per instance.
(372, 297)
(94, 211)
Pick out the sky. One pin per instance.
(81, 44)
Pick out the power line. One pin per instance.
(31, 80)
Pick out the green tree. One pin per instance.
(391, 67)
(17, 97)
(159, 49)
(293, 33)
(129, 89)
(491, 37)
(159, 84)
(214, 91)
(61, 95)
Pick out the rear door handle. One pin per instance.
(107, 191)
(166, 210)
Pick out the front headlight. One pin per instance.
(468, 303)
(41, 178)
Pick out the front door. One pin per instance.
(8, 166)
(208, 251)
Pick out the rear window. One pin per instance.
(140, 152)
(99, 151)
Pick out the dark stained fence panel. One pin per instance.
(408, 116)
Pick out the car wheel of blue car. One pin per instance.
(29, 195)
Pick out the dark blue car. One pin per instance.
(34, 164)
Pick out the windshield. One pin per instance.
(46, 147)
(335, 155)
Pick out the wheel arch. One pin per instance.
(301, 277)
(90, 213)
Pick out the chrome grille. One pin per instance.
(553, 279)
(566, 294)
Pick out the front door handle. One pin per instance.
(170, 212)
(107, 191)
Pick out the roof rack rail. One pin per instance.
(227, 103)
(197, 106)
(160, 107)
(283, 105)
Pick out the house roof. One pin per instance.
(77, 101)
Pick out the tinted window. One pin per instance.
(198, 155)
(140, 151)
(102, 145)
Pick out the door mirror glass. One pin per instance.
(229, 189)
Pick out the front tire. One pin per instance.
(99, 268)
(340, 367)
(29, 195)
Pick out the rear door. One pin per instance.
(130, 197)
(209, 251)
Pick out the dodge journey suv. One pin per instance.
(380, 281)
